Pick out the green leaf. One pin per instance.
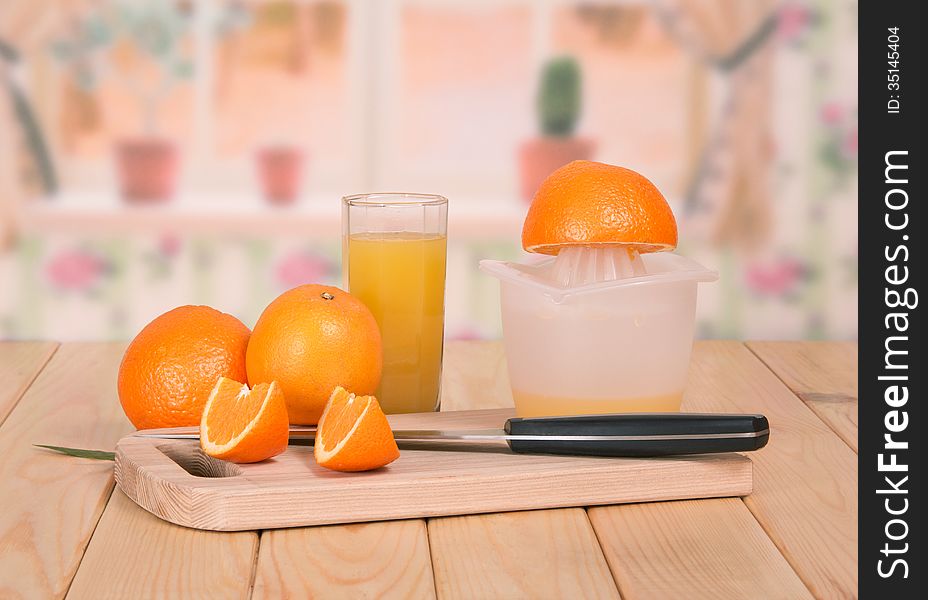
(81, 453)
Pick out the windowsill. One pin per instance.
(244, 215)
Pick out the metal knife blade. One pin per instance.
(297, 432)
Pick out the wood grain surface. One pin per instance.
(365, 560)
(20, 363)
(177, 482)
(805, 494)
(51, 503)
(133, 554)
(823, 374)
(536, 554)
(711, 549)
(794, 536)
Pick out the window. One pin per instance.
(403, 94)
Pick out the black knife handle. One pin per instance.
(648, 434)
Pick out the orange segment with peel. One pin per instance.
(586, 203)
(353, 434)
(244, 425)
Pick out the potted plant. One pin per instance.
(558, 104)
(280, 172)
(147, 162)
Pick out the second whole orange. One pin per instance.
(310, 340)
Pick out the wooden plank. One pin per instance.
(136, 555)
(712, 549)
(176, 481)
(805, 492)
(20, 363)
(812, 367)
(823, 374)
(369, 560)
(537, 554)
(474, 376)
(51, 503)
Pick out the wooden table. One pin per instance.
(65, 531)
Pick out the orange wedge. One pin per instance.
(353, 434)
(244, 425)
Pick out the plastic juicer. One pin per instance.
(598, 329)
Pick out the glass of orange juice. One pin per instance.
(393, 259)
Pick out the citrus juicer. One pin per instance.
(598, 329)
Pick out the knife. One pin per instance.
(629, 434)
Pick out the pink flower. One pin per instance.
(794, 19)
(832, 113)
(849, 147)
(75, 270)
(299, 268)
(777, 278)
(466, 333)
(169, 245)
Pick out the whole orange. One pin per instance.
(172, 365)
(588, 203)
(312, 339)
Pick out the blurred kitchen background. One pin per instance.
(156, 153)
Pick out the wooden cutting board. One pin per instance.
(175, 481)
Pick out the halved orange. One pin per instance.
(244, 425)
(353, 434)
(586, 203)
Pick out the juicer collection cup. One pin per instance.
(602, 347)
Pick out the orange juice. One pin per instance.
(537, 405)
(400, 276)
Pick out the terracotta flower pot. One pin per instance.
(280, 171)
(147, 170)
(539, 157)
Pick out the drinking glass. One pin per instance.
(394, 249)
